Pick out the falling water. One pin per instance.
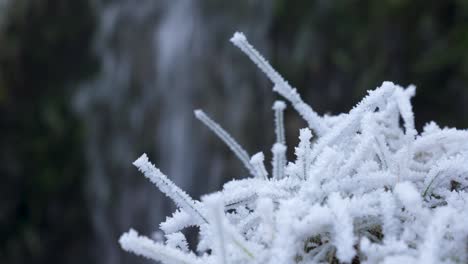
(158, 61)
(4, 7)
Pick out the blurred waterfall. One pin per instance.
(158, 61)
(4, 8)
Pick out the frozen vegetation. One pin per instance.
(365, 187)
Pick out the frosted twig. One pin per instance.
(303, 153)
(181, 199)
(279, 148)
(279, 107)
(215, 208)
(257, 163)
(350, 123)
(178, 221)
(281, 86)
(226, 138)
(406, 110)
(279, 160)
(145, 247)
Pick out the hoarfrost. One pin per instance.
(366, 190)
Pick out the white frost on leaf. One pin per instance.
(366, 188)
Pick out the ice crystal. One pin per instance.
(363, 188)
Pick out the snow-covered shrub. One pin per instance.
(367, 188)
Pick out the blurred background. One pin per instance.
(86, 86)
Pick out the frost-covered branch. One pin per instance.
(279, 107)
(215, 206)
(279, 160)
(145, 247)
(226, 138)
(259, 167)
(279, 148)
(282, 87)
(180, 198)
